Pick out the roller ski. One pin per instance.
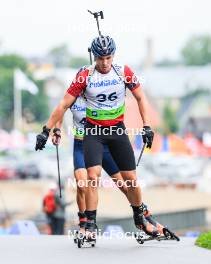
(163, 232)
(167, 235)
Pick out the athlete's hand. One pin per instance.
(42, 138)
(148, 136)
(56, 138)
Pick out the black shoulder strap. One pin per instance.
(91, 69)
(119, 72)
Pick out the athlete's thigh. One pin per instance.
(122, 152)
(78, 155)
(93, 151)
(108, 163)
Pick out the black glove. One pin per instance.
(57, 134)
(42, 138)
(148, 136)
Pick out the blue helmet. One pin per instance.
(103, 46)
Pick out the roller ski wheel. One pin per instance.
(169, 235)
(79, 239)
(79, 234)
(143, 237)
(75, 238)
(91, 241)
(85, 240)
(91, 238)
(139, 239)
(80, 242)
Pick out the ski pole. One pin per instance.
(90, 55)
(96, 16)
(57, 156)
(139, 158)
(6, 212)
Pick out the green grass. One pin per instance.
(204, 240)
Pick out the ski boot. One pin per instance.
(150, 219)
(89, 238)
(91, 227)
(141, 222)
(82, 224)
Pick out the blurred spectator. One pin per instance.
(54, 208)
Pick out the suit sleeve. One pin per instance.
(131, 80)
(79, 83)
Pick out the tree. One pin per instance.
(60, 56)
(36, 105)
(166, 62)
(6, 98)
(8, 62)
(170, 120)
(12, 61)
(197, 50)
(77, 62)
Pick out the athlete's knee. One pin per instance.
(93, 176)
(81, 178)
(129, 175)
(94, 173)
(120, 183)
(124, 189)
(130, 179)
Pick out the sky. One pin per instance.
(32, 28)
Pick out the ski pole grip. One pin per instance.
(101, 15)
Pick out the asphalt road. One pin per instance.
(62, 250)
